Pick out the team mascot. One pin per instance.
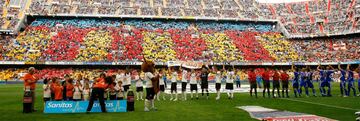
(152, 83)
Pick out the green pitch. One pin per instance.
(191, 110)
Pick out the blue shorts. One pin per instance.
(350, 84)
(295, 85)
(309, 84)
(302, 84)
(325, 84)
(342, 84)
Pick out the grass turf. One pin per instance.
(191, 110)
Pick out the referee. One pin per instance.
(98, 92)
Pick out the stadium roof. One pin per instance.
(281, 1)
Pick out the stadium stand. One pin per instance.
(96, 40)
(328, 50)
(323, 17)
(300, 19)
(108, 40)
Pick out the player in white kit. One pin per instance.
(174, 76)
(193, 84)
(184, 81)
(218, 77)
(230, 76)
(162, 80)
(127, 81)
(139, 86)
(121, 77)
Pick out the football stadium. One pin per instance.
(180, 60)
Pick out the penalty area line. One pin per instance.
(332, 106)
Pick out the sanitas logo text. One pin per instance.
(60, 105)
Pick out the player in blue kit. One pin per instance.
(350, 80)
(320, 80)
(309, 82)
(326, 80)
(343, 72)
(302, 80)
(315, 77)
(296, 79)
(357, 70)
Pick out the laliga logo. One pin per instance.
(61, 105)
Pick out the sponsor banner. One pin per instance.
(211, 77)
(217, 63)
(173, 63)
(312, 63)
(18, 62)
(77, 63)
(282, 64)
(80, 106)
(91, 63)
(237, 63)
(105, 63)
(128, 63)
(341, 46)
(192, 64)
(255, 63)
(40, 62)
(48, 63)
(158, 63)
(98, 63)
(6, 62)
(29, 63)
(326, 63)
(267, 64)
(61, 63)
(299, 63)
(68, 63)
(268, 114)
(332, 63)
(352, 62)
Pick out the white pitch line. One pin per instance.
(339, 107)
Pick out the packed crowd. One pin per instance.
(4, 44)
(318, 17)
(327, 50)
(98, 40)
(10, 15)
(2, 19)
(279, 49)
(106, 40)
(309, 18)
